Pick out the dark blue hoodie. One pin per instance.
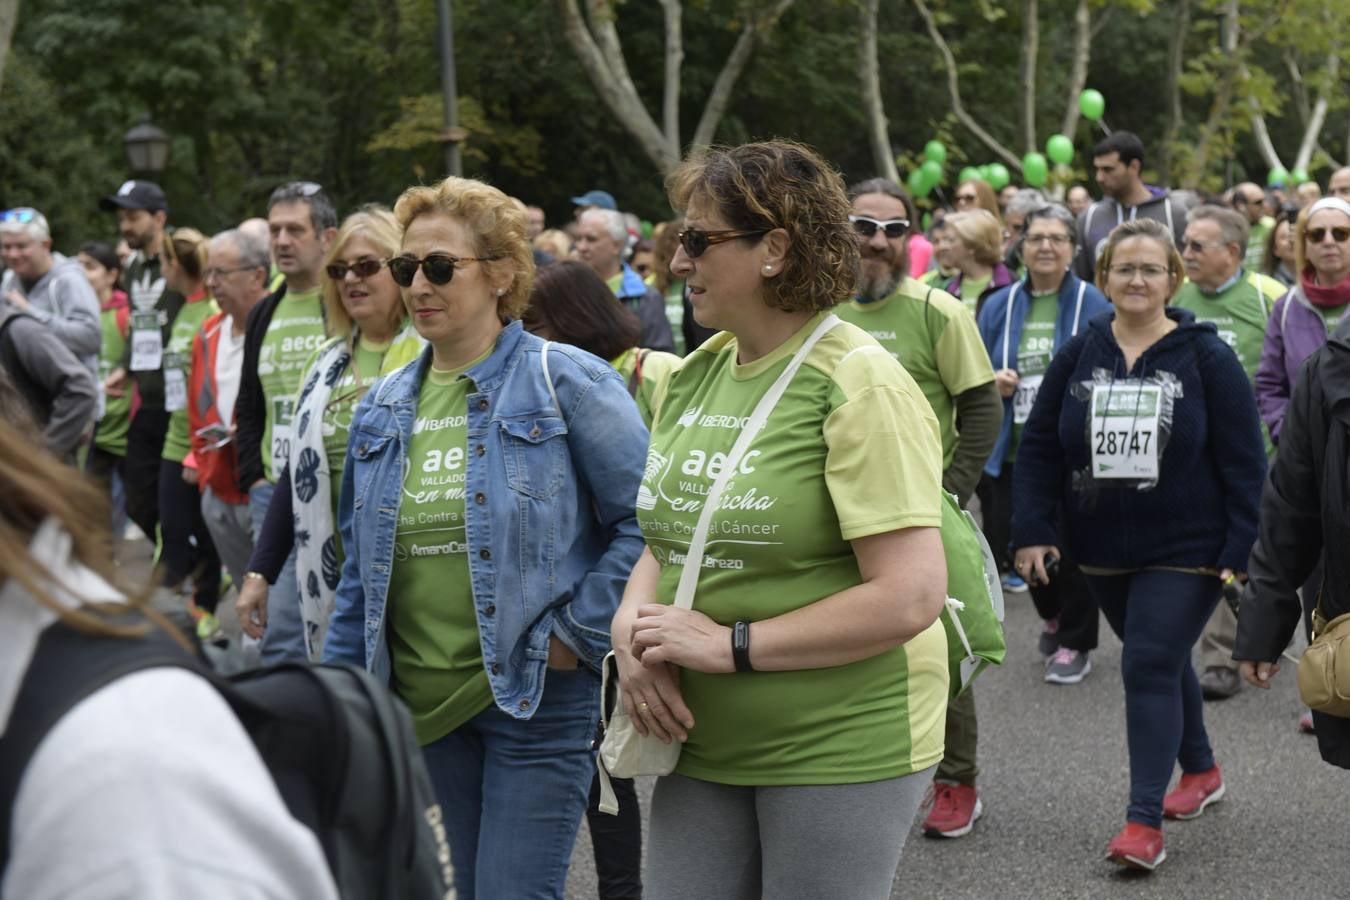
(1203, 509)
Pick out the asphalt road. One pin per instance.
(1055, 785)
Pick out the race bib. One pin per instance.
(282, 410)
(1025, 397)
(175, 383)
(1125, 430)
(147, 343)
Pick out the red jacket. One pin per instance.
(218, 468)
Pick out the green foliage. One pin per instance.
(347, 93)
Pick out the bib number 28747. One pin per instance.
(1125, 431)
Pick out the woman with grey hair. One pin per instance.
(1023, 327)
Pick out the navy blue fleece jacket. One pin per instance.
(1202, 510)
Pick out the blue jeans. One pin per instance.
(1158, 616)
(284, 638)
(513, 791)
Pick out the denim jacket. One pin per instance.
(549, 510)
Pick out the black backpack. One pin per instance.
(339, 746)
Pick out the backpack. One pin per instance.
(339, 746)
(973, 616)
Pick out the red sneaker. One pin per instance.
(955, 807)
(1137, 847)
(1193, 794)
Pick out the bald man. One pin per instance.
(1249, 200)
(1339, 185)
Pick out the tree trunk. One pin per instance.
(1176, 59)
(1313, 129)
(954, 90)
(751, 33)
(1223, 99)
(674, 59)
(1031, 46)
(1082, 52)
(883, 157)
(9, 15)
(615, 89)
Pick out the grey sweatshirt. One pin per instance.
(65, 302)
(60, 391)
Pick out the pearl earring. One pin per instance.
(768, 268)
(500, 291)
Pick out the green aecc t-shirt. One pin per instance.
(851, 450)
(930, 333)
(295, 332)
(433, 627)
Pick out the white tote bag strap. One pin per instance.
(548, 379)
(693, 563)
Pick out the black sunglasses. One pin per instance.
(867, 226)
(438, 267)
(696, 243)
(1339, 235)
(363, 268)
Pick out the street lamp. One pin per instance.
(147, 148)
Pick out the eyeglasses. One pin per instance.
(21, 214)
(1339, 235)
(1198, 246)
(438, 267)
(1148, 273)
(362, 269)
(1059, 240)
(696, 243)
(867, 226)
(965, 198)
(213, 274)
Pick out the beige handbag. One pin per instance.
(624, 753)
(1324, 671)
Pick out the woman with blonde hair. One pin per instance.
(148, 786)
(186, 548)
(365, 314)
(487, 515)
(973, 245)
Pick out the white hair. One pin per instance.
(36, 227)
(614, 224)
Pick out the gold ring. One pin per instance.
(642, 707)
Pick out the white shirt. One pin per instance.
(149, 788)
(229, 369)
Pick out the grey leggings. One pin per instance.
(722, 842)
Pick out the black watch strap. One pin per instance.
(740, 646)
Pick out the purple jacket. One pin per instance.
(1295, 332)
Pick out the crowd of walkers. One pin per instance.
(476, 456)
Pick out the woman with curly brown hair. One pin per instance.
(808, 683)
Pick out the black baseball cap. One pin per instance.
(136, 195)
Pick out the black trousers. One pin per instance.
(186, 548)
(617, 841)
(1067, 595)
(140, 470)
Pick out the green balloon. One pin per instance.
(999, 176)
(1060, 149)
(932, 172)
(1298, 176)
(1035, 170)
(927, 221)
(934, 151)
(647, 229)
(984, 172)
(1278, 175)
(918, 183)
(969, 173)
(1092, 104)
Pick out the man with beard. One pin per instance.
(928, 331)
(933, 336)
(141, 215)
